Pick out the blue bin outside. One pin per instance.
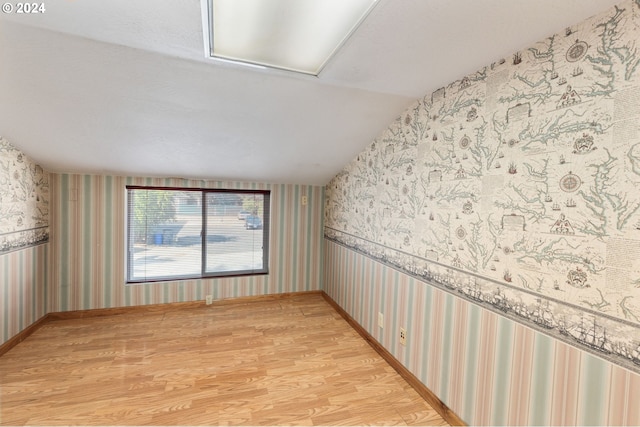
(157, 239)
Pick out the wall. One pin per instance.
(497, 219)
(487, 368)
(24, 200)
(24, 216)
(87, 262)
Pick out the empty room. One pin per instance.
(303, 212)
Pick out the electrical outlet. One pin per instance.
(304, 200)
(403, 336)
(380, 320)
(209, 299)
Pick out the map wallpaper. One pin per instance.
(518, 188)
(24, 200)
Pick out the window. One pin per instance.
(176, 233)
(294, 35)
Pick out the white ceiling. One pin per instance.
(123, 86)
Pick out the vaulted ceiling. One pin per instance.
(123, 86)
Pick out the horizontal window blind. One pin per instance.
(190, 233)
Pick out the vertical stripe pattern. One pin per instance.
(88, 245)
(487, 368)
(23, 284)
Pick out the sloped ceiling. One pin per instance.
(123, 86)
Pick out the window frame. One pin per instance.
(266, 221)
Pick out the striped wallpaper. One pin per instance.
(488, 369)
(23, 289)
(24, 213)
(87, 257)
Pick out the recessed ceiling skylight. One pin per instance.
(294, 35)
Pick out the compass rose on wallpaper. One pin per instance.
(577, 51)
(461, 233)
(570, 182)
(465, 142)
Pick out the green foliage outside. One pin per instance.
(151, 208)
(255, 205)
(224, 199)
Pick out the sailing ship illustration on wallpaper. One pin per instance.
(622, 350)
(472, 292)
(520, 309)
(635, 356)
(449, 283)
(563, 328)
(511, 157)
(517, 58)
(507, 276)
(542, 316)
(594, 337)
(500, 302)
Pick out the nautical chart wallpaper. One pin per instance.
(24, 200)
(518, 188)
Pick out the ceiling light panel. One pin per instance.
(295, 35)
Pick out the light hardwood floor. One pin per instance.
(290, 361)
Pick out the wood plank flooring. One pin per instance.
(291, 361)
